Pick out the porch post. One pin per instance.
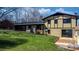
(34, 28)
(26, 28)
(42, 29)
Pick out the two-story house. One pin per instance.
(64, 26)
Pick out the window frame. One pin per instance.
(49, 21)
(67, 33)
(67, 20)
(55, 21)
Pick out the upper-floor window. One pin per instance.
(49, 21)
(67, 20)
(55, 21)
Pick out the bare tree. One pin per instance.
(20, 14)
(7, 11)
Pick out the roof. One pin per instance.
(61, 13)
(30, 23)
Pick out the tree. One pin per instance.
(20, 14)
(7, 11)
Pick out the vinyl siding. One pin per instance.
(73, 23)
(60, 22)
(52, 23)
(68, 25)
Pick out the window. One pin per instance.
(67, 33)
(55, 21)
(66, 20)
(49, 21)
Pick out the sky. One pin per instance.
(50, 10)
(45, 11)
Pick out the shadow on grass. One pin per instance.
(4, 43)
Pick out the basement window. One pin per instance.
(67, 33)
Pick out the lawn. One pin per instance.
(22, 41)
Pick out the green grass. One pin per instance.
(22, 41)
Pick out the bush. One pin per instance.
(6, 24)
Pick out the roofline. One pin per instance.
(29, 24)
(61, 13)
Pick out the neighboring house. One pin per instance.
(64, 26)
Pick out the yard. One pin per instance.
(22, 41)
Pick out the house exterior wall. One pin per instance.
(46, 23)
(52, 23)
(56, 32)
(73, 23)
(55, 29)
(60, 22)
(67, 25)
